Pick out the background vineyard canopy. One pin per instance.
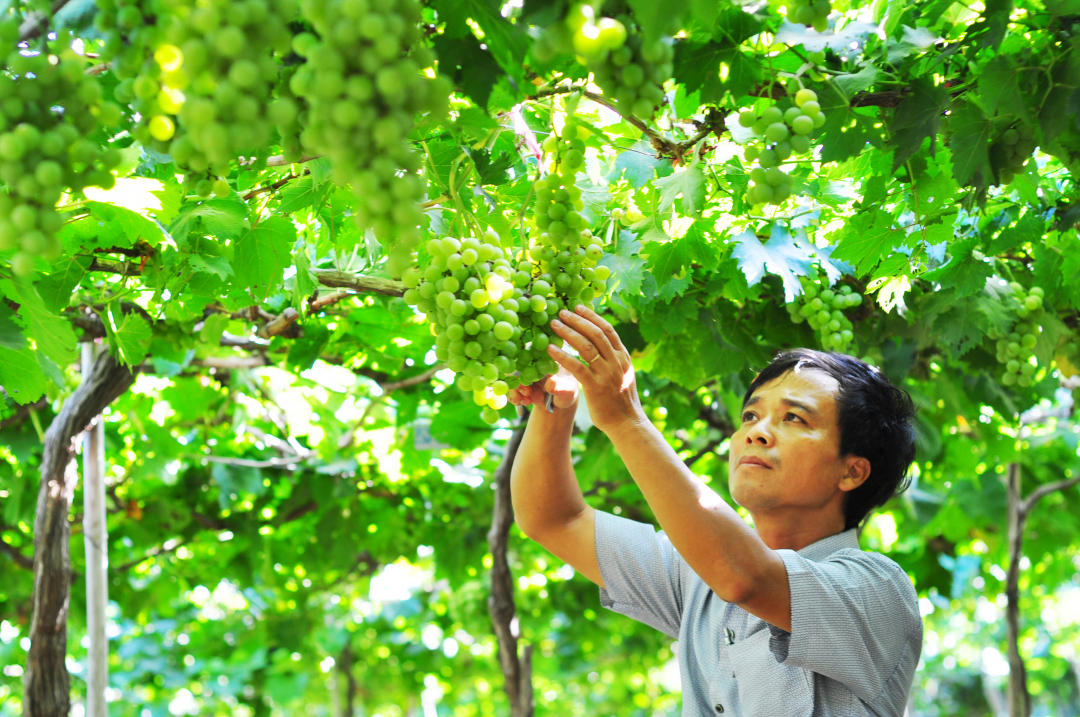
(299, 496)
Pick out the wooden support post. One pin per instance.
(96, 540)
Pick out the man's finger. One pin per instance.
(580, 343)
(576, 368)
(601, 322)
(592, 333)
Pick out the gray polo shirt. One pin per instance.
(855, 638)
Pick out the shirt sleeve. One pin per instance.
(641, 572)
(854, 618)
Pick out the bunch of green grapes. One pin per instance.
(823, 308)
(779, 132)
(580, 33)
(566, 250)
(289, 113)
(812, 13)
(491, 312)
(1011, 151)
(364, 82)
(200, 76)
(1016, 349)
(635, 73)
(474, 298)
(48, 108)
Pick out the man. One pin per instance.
(789, 617)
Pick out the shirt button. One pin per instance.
(719, 707)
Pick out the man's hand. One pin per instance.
(562, 386)
(605, 370)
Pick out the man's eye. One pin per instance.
(795, 416)
(747, 416)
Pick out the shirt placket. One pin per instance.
(725, 691)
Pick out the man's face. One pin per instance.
(785, 457)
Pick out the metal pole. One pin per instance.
(95, 535)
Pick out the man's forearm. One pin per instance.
(713, 539)
(543, 485)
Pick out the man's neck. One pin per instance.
(789, 532)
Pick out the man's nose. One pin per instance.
(760, 433)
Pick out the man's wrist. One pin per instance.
(632, 425)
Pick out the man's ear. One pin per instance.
(858, 470)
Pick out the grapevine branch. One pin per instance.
(1019, 510)
(23, 561)
(36, 22)
(332, 278)
(516, 669)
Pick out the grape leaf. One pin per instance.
(131, 339)
(639, 165)
(796, 34)
(56, 287)
(964, 272)
(866, 238)
(52, 334)
(171, 196)
(851, 84)
(301, 194)
(698, 248)
(11, 336)
(914, 40)
(625, 265)
(507, 43)
(222, 218)
(1030, 228)
(970, 146)
(962, 325)
(699, 69)
(213, 327)
(217, 265)
(845, 132)
(736, 24)
(673, 360)
(999, 89)
(304, 284)
(917, 117)
(689, 185)
(20, 375)
(1046, 343)
(472, 68)
(997, 313)
(778, 256)
(666, 260)
(125, 227)
(1058, 108)
(595, 197)
(263, 254)
(654, 17)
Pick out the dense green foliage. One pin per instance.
(296, 485)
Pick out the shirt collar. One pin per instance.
(827, 546)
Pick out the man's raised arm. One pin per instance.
(548, 504)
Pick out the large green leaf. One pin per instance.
(965, 272)
(688, 186)
(262, 255)
(131, 338)
(20, 375)
(52, 334)
(917, 118)
(625, 265)
(866, 239)
(970, 145)
(779, 255)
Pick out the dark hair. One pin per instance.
(876, 422)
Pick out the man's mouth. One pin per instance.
(753, 461)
